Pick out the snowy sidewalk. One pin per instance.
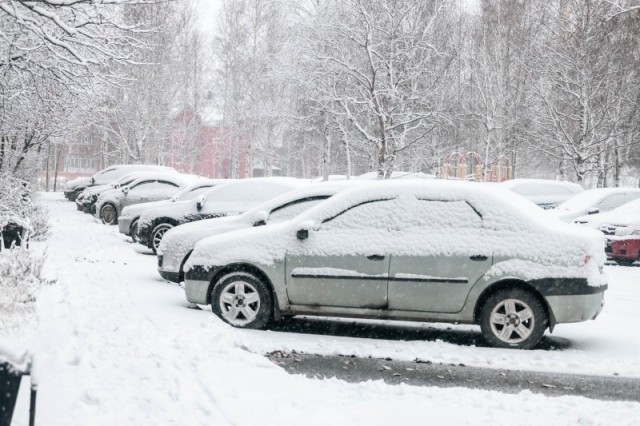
(116, 345)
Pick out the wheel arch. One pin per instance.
(246, 267)
(510, 284)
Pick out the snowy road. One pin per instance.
(116, 345)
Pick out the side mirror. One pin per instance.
(125, 189)
(303, 231)
(93, 180)
(200, 203)
(260, 218)
(593, 210)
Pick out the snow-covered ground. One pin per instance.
(116, 345)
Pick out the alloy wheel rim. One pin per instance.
(512, 321)
(107, 215)
(239, 302)
(157, 236)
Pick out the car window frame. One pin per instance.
(329, 219)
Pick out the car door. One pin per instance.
(453, 256)
(343, 263)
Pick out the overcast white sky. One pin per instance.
(209, 12)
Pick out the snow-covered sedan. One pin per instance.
(609, 222)
(86, 200)
(594, 201)
(425, 251)
(150, 187)
(74, 187)
(128, 219)
(177, 243)
(544, 193)
(228, 200)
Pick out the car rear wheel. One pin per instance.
(109, 214)
(625, 262)
(242, 300)
(157, 234)
(513, 318)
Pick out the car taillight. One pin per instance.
(586, 259)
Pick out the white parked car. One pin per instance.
(108, 175)
(609, 222)
(594, 201)
(177, 243)
(543, 192)
(422, 250)
(128, 219)
(228, 200)
(151, 186)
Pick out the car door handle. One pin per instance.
(375, 257)
(478, 257)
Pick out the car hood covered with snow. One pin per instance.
(137, 209)
(523, 240)
(79, 182)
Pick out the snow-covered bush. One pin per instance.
(20, 279)
(17, 200)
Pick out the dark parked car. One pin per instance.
(230, 199)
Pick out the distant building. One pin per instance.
(205, 148)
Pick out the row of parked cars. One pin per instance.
(263, 249)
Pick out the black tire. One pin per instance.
(525, 316)
(157, 234)
(133, 231)
(260, 307)
(109, 214)
(75, 194)
(625, 262)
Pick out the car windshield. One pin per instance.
(188, 194)
(584, 200)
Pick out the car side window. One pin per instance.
(375, 214)
(293, 209)
(446, 214)
(611, 202)
(143, 186)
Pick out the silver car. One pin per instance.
(177, 244)
(425, 251)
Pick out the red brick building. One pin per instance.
(205, 148)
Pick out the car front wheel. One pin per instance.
(109, 215)
(157, 234)
(133, 231)
(513, 318)
(242, 300)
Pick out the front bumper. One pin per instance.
(124, 225)
(196, 291)
(196, 284)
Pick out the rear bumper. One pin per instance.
(576, 308)
(628, 249)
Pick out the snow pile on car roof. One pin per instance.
(461, 219)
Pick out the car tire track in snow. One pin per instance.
(425, 373)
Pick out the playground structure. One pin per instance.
(469, 166)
